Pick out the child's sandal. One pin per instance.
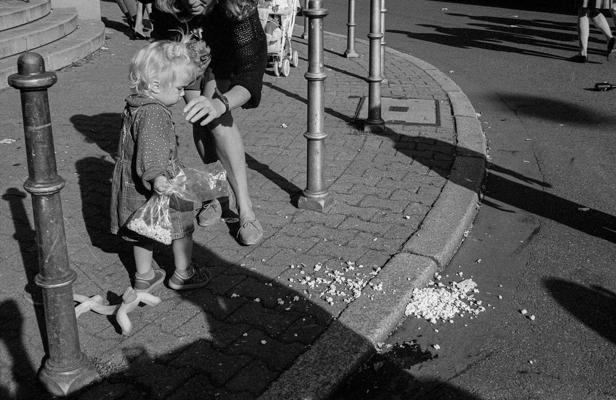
(147, 285)
(199, 279)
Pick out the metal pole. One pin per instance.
(350, 50)
(65, 369)
(383, 11)
(315, 196)
(374, 78)
(305, 33)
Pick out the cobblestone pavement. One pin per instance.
(267, 305)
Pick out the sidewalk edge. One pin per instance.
(334, 355)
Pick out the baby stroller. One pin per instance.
(278, 18)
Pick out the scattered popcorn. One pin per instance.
(523, 311)
(436, 347)
(234, 295)
(532, 317)
(444, 302)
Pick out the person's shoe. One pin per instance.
(146, 285)
(210, 213)
(579, 59)
(199, 279)
(250, 232)
(610, 47)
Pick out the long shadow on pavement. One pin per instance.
(554, 6)
(388, 376)
(593, 305)
(502, 186)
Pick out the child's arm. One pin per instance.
(154, 147)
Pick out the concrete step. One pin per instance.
(15, 13)
(87, 38)
(57, 24)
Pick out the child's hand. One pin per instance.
(161, 184)
(202, 108)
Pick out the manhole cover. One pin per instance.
(403, 111)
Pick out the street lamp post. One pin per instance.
(374, 78)
(315, 196)
(65, 369)
(350, 50)
(383, 12)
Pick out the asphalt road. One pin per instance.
(545, 236)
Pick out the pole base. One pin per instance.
(63, 383)
(369, 126)
(322, 203)
(351, 54)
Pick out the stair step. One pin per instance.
(57, 24)
(18, 12)
(88, 38)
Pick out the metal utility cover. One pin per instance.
(403, 111)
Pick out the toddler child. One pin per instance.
(148, 158)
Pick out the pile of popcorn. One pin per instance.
(440, 302)
(345, 283)
(156, 232)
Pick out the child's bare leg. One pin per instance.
(143, 258)
(186, 276)
(146, 278)
(182, 255)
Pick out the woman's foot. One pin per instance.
(210, 213)
(610, 47)
(143, 284)
(198, 278)
(250, 231)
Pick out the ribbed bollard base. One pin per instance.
(63, 383)
(322, 203)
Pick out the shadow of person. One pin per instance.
(593, 305)
(24, 375)
(552, 6)
(387, 376)
(229, 340)
(505, 186)
(94, 178)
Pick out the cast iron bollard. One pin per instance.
(350, 50)
(305, 33)
(374, 79)
(65, 368)
(315, 196)
(383, 11)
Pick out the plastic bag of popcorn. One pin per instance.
(152, 219)
(199, 185)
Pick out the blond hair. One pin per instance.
(163, 61)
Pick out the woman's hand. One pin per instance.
(161, 184)
(203, 109)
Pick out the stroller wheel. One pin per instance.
(277, 68)
(295, 59)
(286, 67)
